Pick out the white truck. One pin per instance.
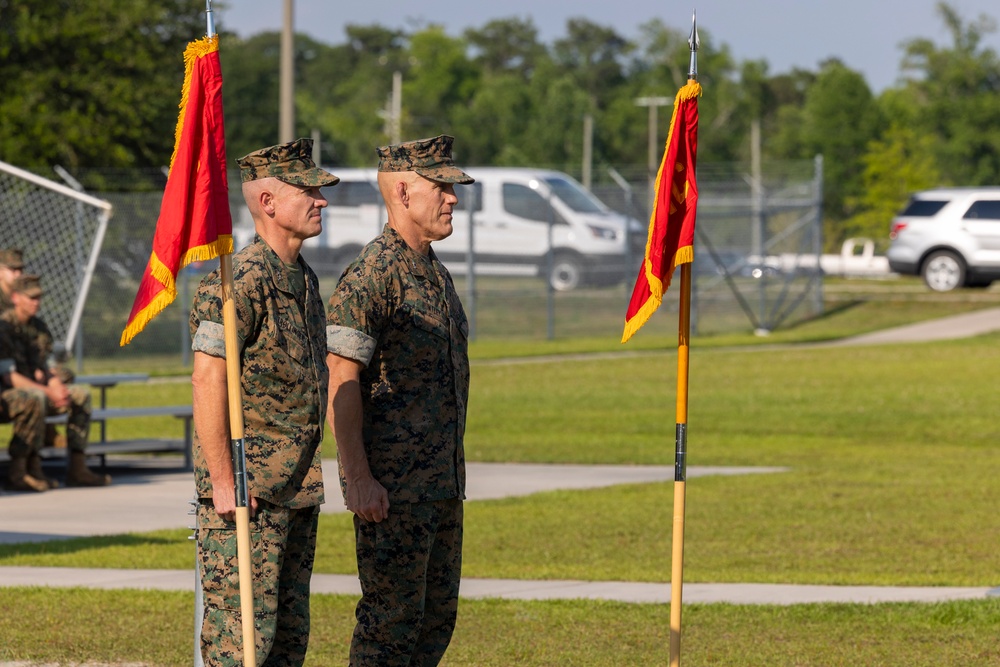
(509, 217)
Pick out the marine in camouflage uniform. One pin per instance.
(25, 409)
(280, 321)
(11, 266)
(399, 385)
(20, 328)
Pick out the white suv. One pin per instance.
(948, 236)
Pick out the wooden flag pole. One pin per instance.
(243, 549)
(680, 445)
(244, 563)
(680, 466)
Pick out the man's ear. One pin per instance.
(266, 200)
(402, 193)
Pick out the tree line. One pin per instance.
(95, 86)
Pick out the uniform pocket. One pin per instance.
(218, 559)
(429, 323)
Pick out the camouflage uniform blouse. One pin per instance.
(284, 374)
(397, 312)
(23, 342)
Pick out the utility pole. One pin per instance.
(588, 149)
(286, 103)
(653, 103)
(393, 112)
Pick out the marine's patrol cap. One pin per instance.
(12, 258)
(431, 158)
(291, 163)
(28, 285)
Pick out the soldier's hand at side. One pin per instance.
(368, 499)
(224, 501)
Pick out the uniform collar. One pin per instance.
(421, 266)
(274, 264)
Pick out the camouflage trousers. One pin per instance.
(410, 565)
(283, 544)
(25, 409)
(78, 424)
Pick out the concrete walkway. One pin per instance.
(967, 325)
(143, 499)
(519, 589)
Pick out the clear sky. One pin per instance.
(864, 34)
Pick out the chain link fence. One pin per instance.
(756, 258)
(60, 232)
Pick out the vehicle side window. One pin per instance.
(923, 208)
(984, 209)
(352, 193)
(468, 195)
(522, 201)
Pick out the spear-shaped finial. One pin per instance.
(209, 19)
(694, 42)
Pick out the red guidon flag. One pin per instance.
(195, 223)
(675, 205)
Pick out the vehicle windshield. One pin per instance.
(574, 195)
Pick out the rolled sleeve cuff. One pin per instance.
(210, 338)
(350, 343)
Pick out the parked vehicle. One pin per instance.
(948, 236)
(516, 215)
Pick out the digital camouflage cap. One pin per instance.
(12, 258)
(291, 163)
(431, 158)
(28, 285)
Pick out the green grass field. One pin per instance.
(890, 453)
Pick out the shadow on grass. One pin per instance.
(81, 544)
(828, 313)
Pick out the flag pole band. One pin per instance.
(680, 454)
(240, 469)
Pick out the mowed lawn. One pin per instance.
(891, 459)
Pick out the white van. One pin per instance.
(514, 212)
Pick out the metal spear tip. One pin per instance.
(693, 41)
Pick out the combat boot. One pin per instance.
(35, 470)
(80, 475)
(18, 478)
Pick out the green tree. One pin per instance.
(493, 125)
(345, 93)
(441, 80)
(955, 91)
(840, 118)
(896, 165)
(250, 85)
(593, 56)
(86, 84)
(506, 46)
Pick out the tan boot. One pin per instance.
(80, 475)
(18, 478)
(35, 470)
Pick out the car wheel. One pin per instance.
(943, 271)
(567, 273)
